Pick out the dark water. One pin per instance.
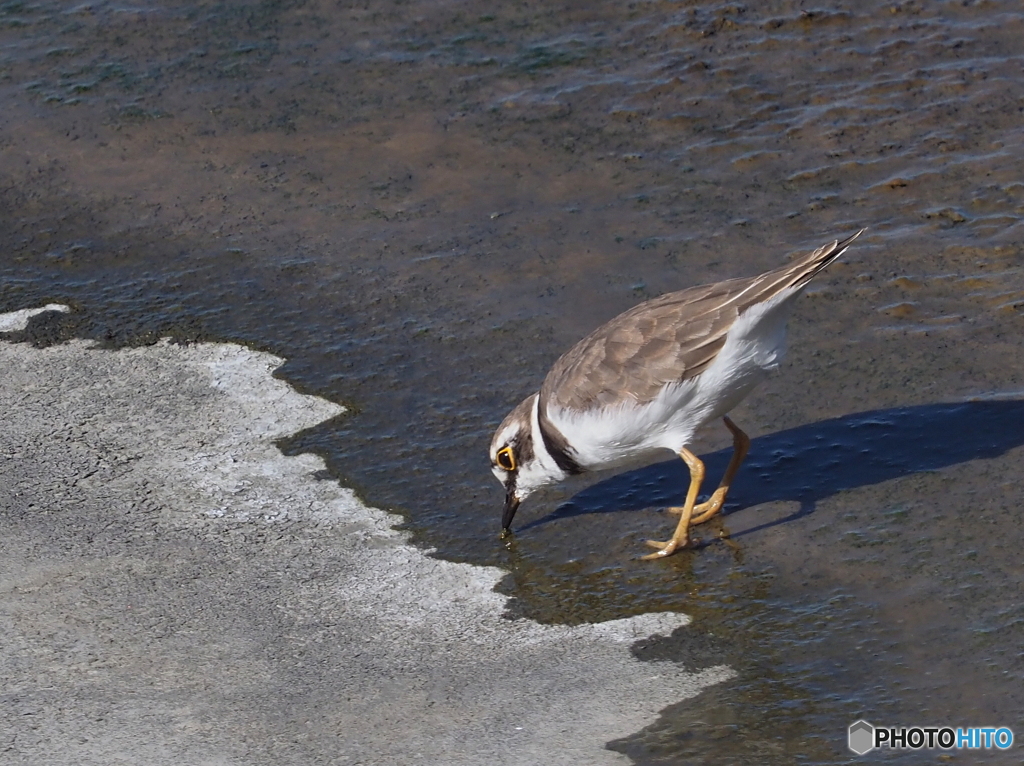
(421, 204)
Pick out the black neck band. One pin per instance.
(556, 444)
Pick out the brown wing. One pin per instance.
(667, 339)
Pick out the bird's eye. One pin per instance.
(505, 459)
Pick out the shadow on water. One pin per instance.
(815, 461)
(797, 644)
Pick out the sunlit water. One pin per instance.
(421, 205)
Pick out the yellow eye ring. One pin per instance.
(505, 459)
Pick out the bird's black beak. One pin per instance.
(511, 506)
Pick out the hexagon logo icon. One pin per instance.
(861, 737)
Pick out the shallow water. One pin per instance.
(421, 205)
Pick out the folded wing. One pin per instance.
(668, 339)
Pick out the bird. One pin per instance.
(647, 380)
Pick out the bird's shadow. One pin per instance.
(815, 461)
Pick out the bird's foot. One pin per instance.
(708, 510)
(703, 511)
(666, 548)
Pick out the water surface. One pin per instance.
(422, 204)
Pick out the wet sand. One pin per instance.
(420, 206)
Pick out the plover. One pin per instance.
(647, 380)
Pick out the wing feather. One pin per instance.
(668, 339)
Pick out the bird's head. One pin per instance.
(518, 458)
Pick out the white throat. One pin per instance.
(543, 469)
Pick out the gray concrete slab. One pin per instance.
(174, 590)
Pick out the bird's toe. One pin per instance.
(664, 549)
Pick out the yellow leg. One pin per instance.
(740, 445)
(681, 538)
